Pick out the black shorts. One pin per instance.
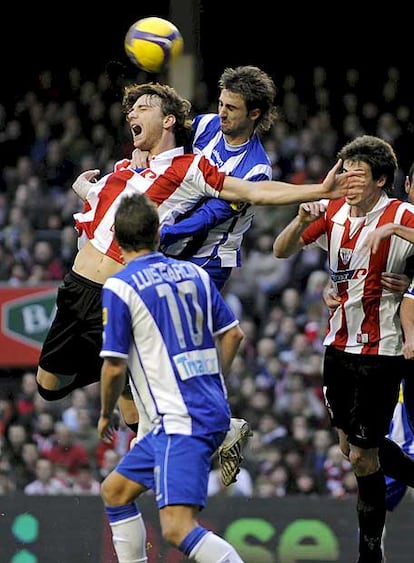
(74, 341)
(361, 392)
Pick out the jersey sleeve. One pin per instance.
(116, 321)
(212, 212)
(122, 164)
(207, 177)
(409, 292)
(316, 233)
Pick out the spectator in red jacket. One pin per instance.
(67, 451)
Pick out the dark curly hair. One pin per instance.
(171, 104)
(256, 88)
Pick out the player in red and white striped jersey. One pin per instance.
(400, 474)
(364, 360)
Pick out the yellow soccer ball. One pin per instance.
(153, 44)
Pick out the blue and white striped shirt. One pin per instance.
(163, 314)
(216, 229)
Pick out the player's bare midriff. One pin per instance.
(93, 265)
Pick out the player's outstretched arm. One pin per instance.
(385, 231)
(212, 212)
(269, 192)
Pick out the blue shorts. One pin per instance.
(176, 467)
(218, 273)
(394, 494)
(408, 384)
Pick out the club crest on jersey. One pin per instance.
(345, 254)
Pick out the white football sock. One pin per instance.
(129, 538)
(214, 549)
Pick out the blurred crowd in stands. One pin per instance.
(52, 133)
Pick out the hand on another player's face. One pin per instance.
(337, 184)
(139, 159)
(396, 283)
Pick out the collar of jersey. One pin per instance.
(343, 213)
(168, 155)
(235, 147)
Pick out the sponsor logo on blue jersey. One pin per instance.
(196, 363)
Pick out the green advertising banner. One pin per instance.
(281, 530)
(25, 317)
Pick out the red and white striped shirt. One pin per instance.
(367, 321)
(175, 182)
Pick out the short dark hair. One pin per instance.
(136, 223)
(377, 153)
(257, 89)
(171, 104)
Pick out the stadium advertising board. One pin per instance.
(286, 530)
(25, 316)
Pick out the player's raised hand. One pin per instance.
(84, 182)
(139, 159)
(310, 211)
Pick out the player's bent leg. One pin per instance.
(129, 536)
(231, 450)
(53, 387)
(125, 519)
(204, 546)
(53, 381)
(180, 528)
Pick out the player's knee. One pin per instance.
(362, 462)
(114, 492)
(345, 450)
(51, 394)
(107, 493)
(53, 381)
(111, 494)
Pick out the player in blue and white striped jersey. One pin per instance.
(165, 323)
(211, 234)
(402, 434)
